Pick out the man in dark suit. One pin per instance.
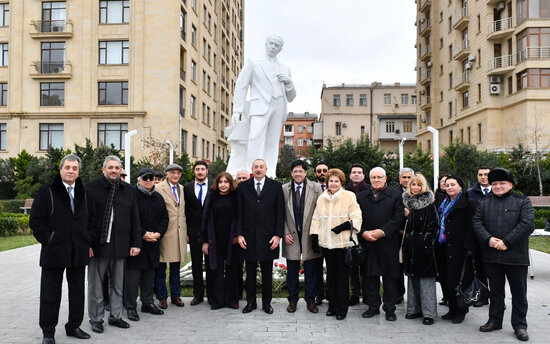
(259, 229)
(194, 194)
(59, 220)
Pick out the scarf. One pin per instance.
(109, 207)
(144, 190)
(443, 211)
(376, 193)
(356, 189)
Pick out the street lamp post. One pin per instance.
(401, 153)
(171, 151)
(127, 151)
(435, 152)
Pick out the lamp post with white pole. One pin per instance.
(127, 151)
(401, 153)
(435, 152)
(171, 151)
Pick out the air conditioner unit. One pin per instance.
(471, 57)
(494, 89)
(429, 64)
(468, 66)
(397, 131)
(500, 6)
(422, 92)
(56, 69)
(57, 29)
(495, 79)
(345, 125)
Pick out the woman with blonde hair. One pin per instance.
(419, 262)
(336, 214)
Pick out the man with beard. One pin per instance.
(321, 169)
(405, 175)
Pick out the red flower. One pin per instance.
(301, 271)
(276, 264)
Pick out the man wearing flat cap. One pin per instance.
(503, 222)
(173, 246)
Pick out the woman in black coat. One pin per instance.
(220, 243)
(455, 242)
(418, 250)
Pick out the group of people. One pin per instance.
(128, 236)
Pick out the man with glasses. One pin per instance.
(321, 169)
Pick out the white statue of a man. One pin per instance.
(256, 125)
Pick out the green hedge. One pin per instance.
(11, 206)
(14, 223)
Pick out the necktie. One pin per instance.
(69, 190)
(323, 186)
(298, 192)
(175, 192)
(199, 197)
(485, 191)
(258, 188)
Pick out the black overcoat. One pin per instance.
(260, 218)
(193, 208)
(65, 237)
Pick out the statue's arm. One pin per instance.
(241, 87)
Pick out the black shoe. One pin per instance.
(458, 318)
(196, 301)
(369, 313)
(48, 340)
(427, 321)
(77, 333)
(249, 307)
(490, 327)
(291, 307)
(97, 327)
(399, 300)
(521, 334)
(318, 300)
(132, 314)
(390, 316)
(353, 300)
(118, 322)
(151, 309)
(413, 315)
(330, 313)
(268, 309)
(340, 317)
(447, 316)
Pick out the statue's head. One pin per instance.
(273, 45)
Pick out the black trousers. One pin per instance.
(267, 282)
(224, 284)
(337, 281)
(372, 288)
(51, 283)
(517, 279)
(355, 281)
(138, 279)
(196, 266)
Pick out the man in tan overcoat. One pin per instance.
(300, 200)
(173, 246)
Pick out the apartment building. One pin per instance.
(97, 69)
(386, 113)
(297, 131)
(483, 70)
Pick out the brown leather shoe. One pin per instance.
(312, 307)
(163, 304)
(521, 334)
(291, 307)
(177, 301)
(490, 326)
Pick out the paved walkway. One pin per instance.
(19, 297)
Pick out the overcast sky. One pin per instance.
(345, 41)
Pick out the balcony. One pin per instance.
(52, 29)
(461, 19)
(534, 53)
(426, 77)
(288, 133)
(425, 53)
(501, 29)
(462, 81)
(502, 64)
(461, 50)
(182, 74)
(425, 5)
(425, 27)
(426, 103)
(51, 70)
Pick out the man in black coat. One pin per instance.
(260, 226)
(140, 270)
(382, 209)
(194, 194)
(116, 236)
(503, 222)
(60, 222)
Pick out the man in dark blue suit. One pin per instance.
(259, 228)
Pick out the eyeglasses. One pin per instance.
(148, 178)
(321, 170)
(377, 177)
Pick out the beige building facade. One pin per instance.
(385, 113)
(72, 70)
(483, 70)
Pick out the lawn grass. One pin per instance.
(540, 243)
(16, 241)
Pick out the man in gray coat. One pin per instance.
(300, 200)
(503, 222)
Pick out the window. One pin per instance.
(478, 92)
(51, 135)
(407, 126)
(450, 80)
(289, 128)
(52, 93)
(203, 113)
(362, 130)
(193, 35)
(194, 71)
(53, 16)
(193, 107)
(182, 101)
(479, 132)
(521, 80)
(510, 85)
(469, 135)
(203, 148)
(183, 21)
(441, 43)
(362, 100)
(184, 141)
(300, 142)
(194, 146)
(114, 52)
(309, 142)
(4, 15)
(465, 97)
(53, 57)
(113, 93)
(349, 100)
(3, 94)
(114, 11)
(204, 47)
(532, 9)
(4, 54)
(450, 109)
(387, 98)
(450, 52)
(336, 100)
(450, 137)
(338, 128)
(534, 78)
(194, 4)
(111, 134)
(289, 141)
(390, 126)
(3, 136)
(404, 99)
(300, 129)
(413, 100)
(461, 135)
(204, 80)
(309, 129)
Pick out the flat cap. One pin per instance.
(173, 167)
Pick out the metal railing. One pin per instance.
(502, 24)
(462, 78)
(533, 53)
(462, 13)
(461, 46)
(503, 61)
(51, 25)
(50, 67)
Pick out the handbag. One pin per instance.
(356, 254)
(476, 291)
